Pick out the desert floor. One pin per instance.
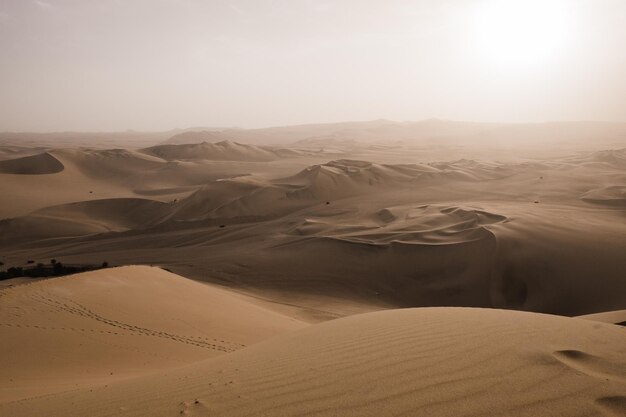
(317, 270)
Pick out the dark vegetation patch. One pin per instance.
(52, 269)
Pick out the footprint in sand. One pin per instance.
(591, 365)
(193, 408)
(612, 406)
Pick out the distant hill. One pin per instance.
(220, 151)
(126, 139)
(40, 164)
(347, 134)
(338, 135)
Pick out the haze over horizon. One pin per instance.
(158, 65)
(227, 208)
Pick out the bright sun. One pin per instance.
(520, 33)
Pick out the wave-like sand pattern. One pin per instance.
(418, 362)
(410, 225)
(614, 195)
(592, 365)
(118, 323)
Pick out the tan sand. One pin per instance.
(613, 317)
(349, 236)
(329, 222)
(420, 362)
(220, 151)
(94, 328)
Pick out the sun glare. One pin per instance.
(521, 33)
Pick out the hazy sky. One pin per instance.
(160, 64)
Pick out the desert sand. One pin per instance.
(429, 361)
(107, 325)
(317, 270)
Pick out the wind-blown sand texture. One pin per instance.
(298, 255)
(431, 361)
(465, 232)
(102, 326)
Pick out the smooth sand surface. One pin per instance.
(613, 317)
(61, 334)
(420, 362)
(61, 176)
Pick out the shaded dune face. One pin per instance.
(463, 232)
(614, 195)
(220, 151)
(83, 218)
(437, 255)
(419, 362)
(250, 197)
(330, 275)
(41, 164)
(341, 178)
(138, 170)
(410, 225)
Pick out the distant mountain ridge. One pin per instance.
(346, 134)
(341, 134)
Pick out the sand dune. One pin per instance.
(434, 361)
(349, 236)
(581, 135)
(201, 136)
(32, 165)
(241, 197)
(421, 225)
(613, 317)
(85, 175)
(101, 174)
(83, 218)
(342, 178)
(220, 151)
(94, 328)
(14, 151)
(357, 218)
(614, 195)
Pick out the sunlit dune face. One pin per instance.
(521, 33)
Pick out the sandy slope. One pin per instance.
(82, 218)
(613, 317)
(418, 362)
(40, 164)
(63, 176)
(349, 236)
(394, 215)
(94, 328)
(220, 151)
(341, 236)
